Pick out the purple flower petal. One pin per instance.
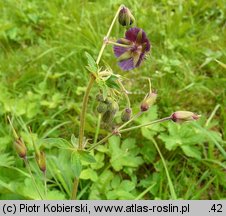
(145, 42)
(119, 50)
(131, 34)
(132, 56)
(126, 64)
(141, 58)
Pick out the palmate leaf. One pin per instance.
(85, 156)
(124, 156)
(54, 142)
(185, 137)
(6, 160)
(89, 174)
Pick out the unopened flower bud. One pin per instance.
(109, 100)
(184, 116)
(41, 161)
(107, 117)
(126, 114)
(113, 108)
(102, 107)
(148, 101)
(125, 17)
(100, 97)
(20, 148)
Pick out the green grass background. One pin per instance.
(43, 79)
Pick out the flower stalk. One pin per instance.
(108, 34)
(119, 130)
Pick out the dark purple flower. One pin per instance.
(134, 47)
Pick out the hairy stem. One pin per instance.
(101, 141)
(75, 189)
(145, 125)
(97, 129)
(125, 93)
(85, 101)
(83, 112)
(108, 34)
(14, 131)
(119, 131)
(45, 184)
(132, 119)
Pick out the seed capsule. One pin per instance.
(102, 107)
(126, 114)
(148, 101)
(41, 161)
(20, 148)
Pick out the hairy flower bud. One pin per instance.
(109, 100)
(100, 97)
(125, 17)
(113, 107)
(184, 116)
(148, 101)
(41, 161)
(126, 114)
(20, 148)
(107, 117)
(102, 107)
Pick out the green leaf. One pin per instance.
(111, 82)
(103, 88)
(127, 185)
(115, 182)
(126, 156)
(92, 66)
(149, 131)
(120, 195)
(191, 151)
(85, 156)
(148, 151)
(74, 141)
(76, 164)
(6, 160)
(99, 157)
(48, 143)
(184, 136)
(89, 174)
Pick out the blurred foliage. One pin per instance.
(43, 78)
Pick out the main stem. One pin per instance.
(85, 102)
(83, 112)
